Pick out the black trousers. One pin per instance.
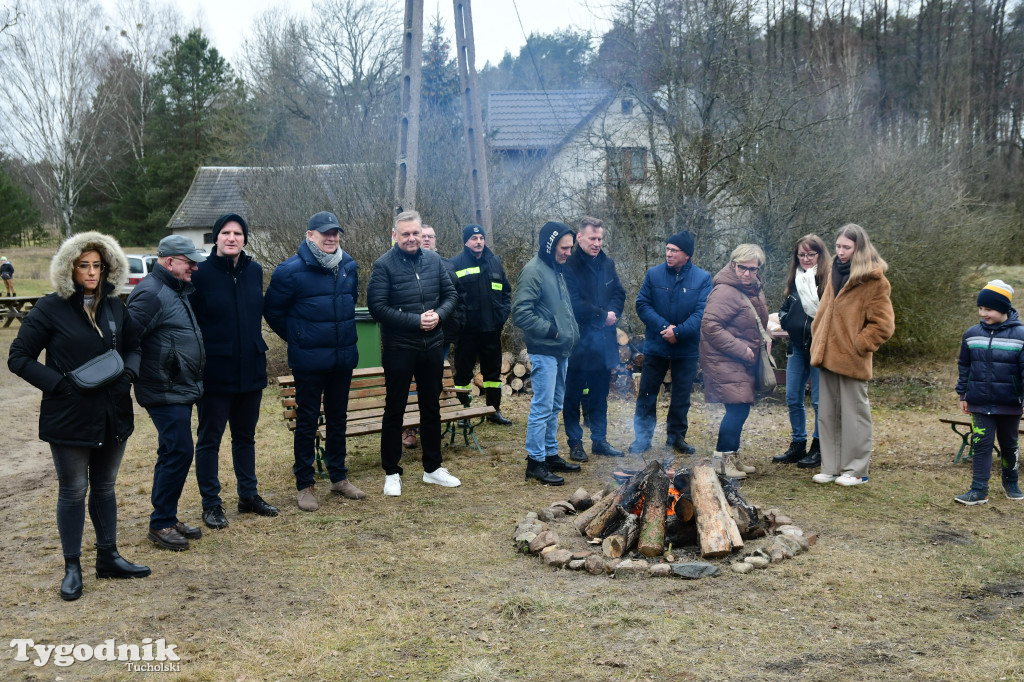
(400, 368)
(333, 386)
(487, 347)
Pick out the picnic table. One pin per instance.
(15, 307)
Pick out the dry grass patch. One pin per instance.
(429, 585)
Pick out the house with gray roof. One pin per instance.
(269, 198)
(572, 146)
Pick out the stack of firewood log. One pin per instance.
(516, 367)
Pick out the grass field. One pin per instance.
(903, 584)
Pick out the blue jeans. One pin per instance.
(798, 371)
(79, 470)
(731, 428)
(173, 460)
(598, 381)
(548, 380)
(216, 411)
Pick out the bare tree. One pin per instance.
(49, 81)
(10, 16)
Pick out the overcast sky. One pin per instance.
(495, 24)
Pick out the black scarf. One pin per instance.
(840, 274)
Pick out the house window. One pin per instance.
(627, 164)
(208, 238)
(627, 107)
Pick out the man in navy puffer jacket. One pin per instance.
(671, 304)
(311, 304)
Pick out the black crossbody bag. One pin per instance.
(102, 370)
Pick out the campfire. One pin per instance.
(655, 510)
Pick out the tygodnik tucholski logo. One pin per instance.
(148, 656)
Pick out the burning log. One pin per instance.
(719, 534)
(652, 534)
(627, 496)
(623, 539)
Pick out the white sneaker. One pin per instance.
(824, 478)
(393, 485)
(441, 476)
(847, 479)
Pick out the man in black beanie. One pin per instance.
(228, 304)
(488, 300)
(542, 309)
(671, 304)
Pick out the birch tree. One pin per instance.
(49, 81)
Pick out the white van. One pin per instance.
(138, 267)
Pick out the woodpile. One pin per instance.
(516, 368)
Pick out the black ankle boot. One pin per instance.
(542, 473)
(813, 458)
(110, 564)
(796, 452)
(556, 463)
(71, 586)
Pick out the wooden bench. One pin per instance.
(366, 409)
(967, 438)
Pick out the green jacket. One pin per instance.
(542, 309)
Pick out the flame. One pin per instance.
(673, 496)
(638, 508)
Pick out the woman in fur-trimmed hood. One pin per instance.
(81, 320)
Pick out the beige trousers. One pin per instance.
(844, 425)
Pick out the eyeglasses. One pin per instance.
(746, 268)
(86, 267)
(191, 263)
(807, 256)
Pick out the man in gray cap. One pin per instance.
(170, 379)
(311, 304)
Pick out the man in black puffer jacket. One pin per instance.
(410, 294)
(170, 379)
(228, 302)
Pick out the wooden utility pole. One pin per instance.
(465, 46)
(406, 165)
(409, 121)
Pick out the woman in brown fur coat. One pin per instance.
(730, 343)
(854, 319)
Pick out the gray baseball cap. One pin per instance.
(178, 245)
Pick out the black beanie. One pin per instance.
(683, 240)
(469, 230)
(228, 218)
(550, 234)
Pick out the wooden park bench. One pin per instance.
(366, 409)
(16, 308)
(966, 437)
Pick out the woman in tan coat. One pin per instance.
(854, 319)
(730, 343)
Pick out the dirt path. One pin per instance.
(26, 466)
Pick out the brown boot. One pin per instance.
(345, 488)
(307, 499)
